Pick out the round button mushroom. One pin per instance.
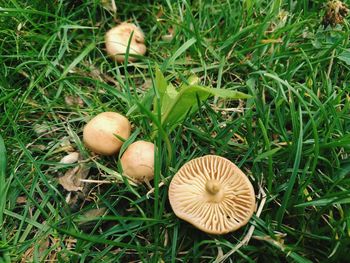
(138, 161)
(117, 40)
(212, 194)
(99, 133)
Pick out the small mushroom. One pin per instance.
(99, 134)
(117, 40)
(138, 161)
(212, 194)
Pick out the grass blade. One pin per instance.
(281, 211)
(179, 52)
(79, 58)
(2, 179)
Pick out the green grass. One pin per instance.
(292, 137)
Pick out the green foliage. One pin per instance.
(4, 256)
(345, 56)
(2, 178)
(176, 104)
(292, 136)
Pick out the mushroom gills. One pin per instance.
(213, 194)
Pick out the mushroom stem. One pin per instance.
(212, 187)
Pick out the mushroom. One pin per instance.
(212, 194)
(138, 161)
(117, 40)
(99, 134)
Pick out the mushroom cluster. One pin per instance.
(103, 134)
(212, 194)
(209, 192)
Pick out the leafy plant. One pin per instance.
(175, 104)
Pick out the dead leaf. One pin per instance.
(70, 243)
(88, 217)
(41, 128)
(70, 158)
(21, 200)
(39, 147)
(73, 199)
(336, 11)
(160, 12)
(20, 26)
(166, 238)
(271, 41)
(95, 212)
(109, 5)
(168, 37)
(278, 22)
(65, 145)
(43, 246)
(71, 180)
(74, 101)
(147, 84)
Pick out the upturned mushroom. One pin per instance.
(212, 194)
(117, 40)
(138, 161)
(100, 132)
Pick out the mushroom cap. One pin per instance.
(117, 39)
(138, 161)
(212, 194)
(99, 133)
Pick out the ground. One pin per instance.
(291, 137)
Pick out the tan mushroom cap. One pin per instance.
(99, 133)
(212, 194)
(117, 40)
(138, 161)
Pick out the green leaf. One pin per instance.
(276, 6)
(266, 154)
(186, 100)
(345, 56)
(97, 238)
(161, 83)
(8, 96)
(224, 93)
(79, 58)
(179, 52)
(183, 102)
(168, 97)
(339, 142)
(326, 202)
(192, 80)
(148, 100)
(248, 6)
(298, 258)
